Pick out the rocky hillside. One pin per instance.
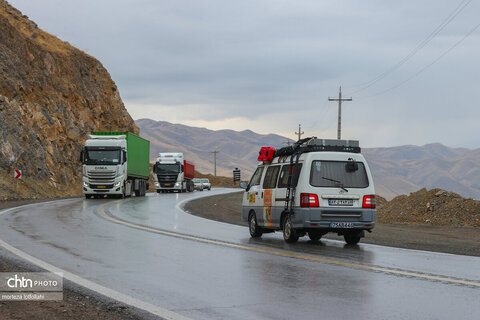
(435, 207)
(51, 96)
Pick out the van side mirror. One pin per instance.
(155, 168)
(82, 155)
(124, 156)
(244, 185)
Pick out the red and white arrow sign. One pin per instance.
(18, 174)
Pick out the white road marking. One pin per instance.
(115, 295)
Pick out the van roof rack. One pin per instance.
(312, 144)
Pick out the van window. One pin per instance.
(283, 179)
(324, 172)
(255, 181)
(270, 180)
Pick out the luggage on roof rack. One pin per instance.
(313, 144)
(266, 154)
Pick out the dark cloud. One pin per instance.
(222, 59)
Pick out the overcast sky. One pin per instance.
(269, 65)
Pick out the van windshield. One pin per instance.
(335, 174)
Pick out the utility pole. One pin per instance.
(214, 162)
(288, 142)
(339, 131)
(299, 131)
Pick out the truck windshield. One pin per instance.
(335, 174)
(167, 168)
(107, 157)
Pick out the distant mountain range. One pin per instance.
(396, 170)
(235, 149)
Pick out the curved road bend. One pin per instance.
(148, 249)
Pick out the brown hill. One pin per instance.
(435, 207)
(51, 96)
(218, 181)
(404, 169)
(396, 170)
(236, 149)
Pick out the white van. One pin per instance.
(328, 189)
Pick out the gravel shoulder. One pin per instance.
(455, 240)
(77, 303)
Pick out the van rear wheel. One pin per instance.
(289, 234)
(255, 230)
(315, 235)
(352, 238)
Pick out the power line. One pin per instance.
(420, 46)
(428, 65)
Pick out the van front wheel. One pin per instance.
(289, 234)
(255, 230)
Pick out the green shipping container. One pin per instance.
(138, 153)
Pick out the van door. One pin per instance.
(269, 183)
(281, 190)
(253, 198)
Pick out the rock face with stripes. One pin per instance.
(51, 96)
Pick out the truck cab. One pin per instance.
(173, 173)
(112, 168)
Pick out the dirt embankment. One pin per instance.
(401, 222)
(435, 207)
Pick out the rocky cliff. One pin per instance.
(51, 96)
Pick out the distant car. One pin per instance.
(206, 184)
(198, 184)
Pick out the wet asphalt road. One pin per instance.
(149, 249)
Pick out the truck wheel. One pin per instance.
(352, 238)
(255, 230)
(289, 234)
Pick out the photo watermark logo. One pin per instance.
(31, 286)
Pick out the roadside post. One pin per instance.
(17, 175)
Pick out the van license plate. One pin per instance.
(340, 202)
(167, 184)
(101, 187)
(345, 225)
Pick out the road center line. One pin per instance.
(101, 212)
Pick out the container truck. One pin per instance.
(173, 173)
(115, 164)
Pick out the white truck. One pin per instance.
(173, 173)
(115, 164)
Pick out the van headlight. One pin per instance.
(118, 184)
(85, 185)
(177, 184)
